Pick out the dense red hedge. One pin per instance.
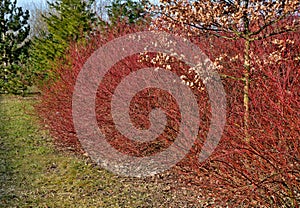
(265, 172)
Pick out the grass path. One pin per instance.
(34, 174)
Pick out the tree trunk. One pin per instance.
(246, 90)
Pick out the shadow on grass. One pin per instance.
(6, 166)
(16, 145)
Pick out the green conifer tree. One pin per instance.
(14, 31)
(68, 21)
(129, 11)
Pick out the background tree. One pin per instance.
(14, 44)
(38, 26)
(67, 21)
(249, 20)
(100, 6)
(129, 11)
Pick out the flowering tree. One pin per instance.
(249, 20)
(255, 48)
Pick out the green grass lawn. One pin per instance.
(35, 174)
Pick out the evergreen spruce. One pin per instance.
(133, 12)
(69, 21)
(14, 44)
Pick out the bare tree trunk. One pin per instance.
(246, 89)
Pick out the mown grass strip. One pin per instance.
(34, 174)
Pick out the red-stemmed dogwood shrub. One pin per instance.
(263, 172)
(55, 106)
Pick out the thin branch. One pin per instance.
(231, 77)
(277, 33)
(205, 28)
(269, 24)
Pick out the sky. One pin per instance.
(27, 3)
